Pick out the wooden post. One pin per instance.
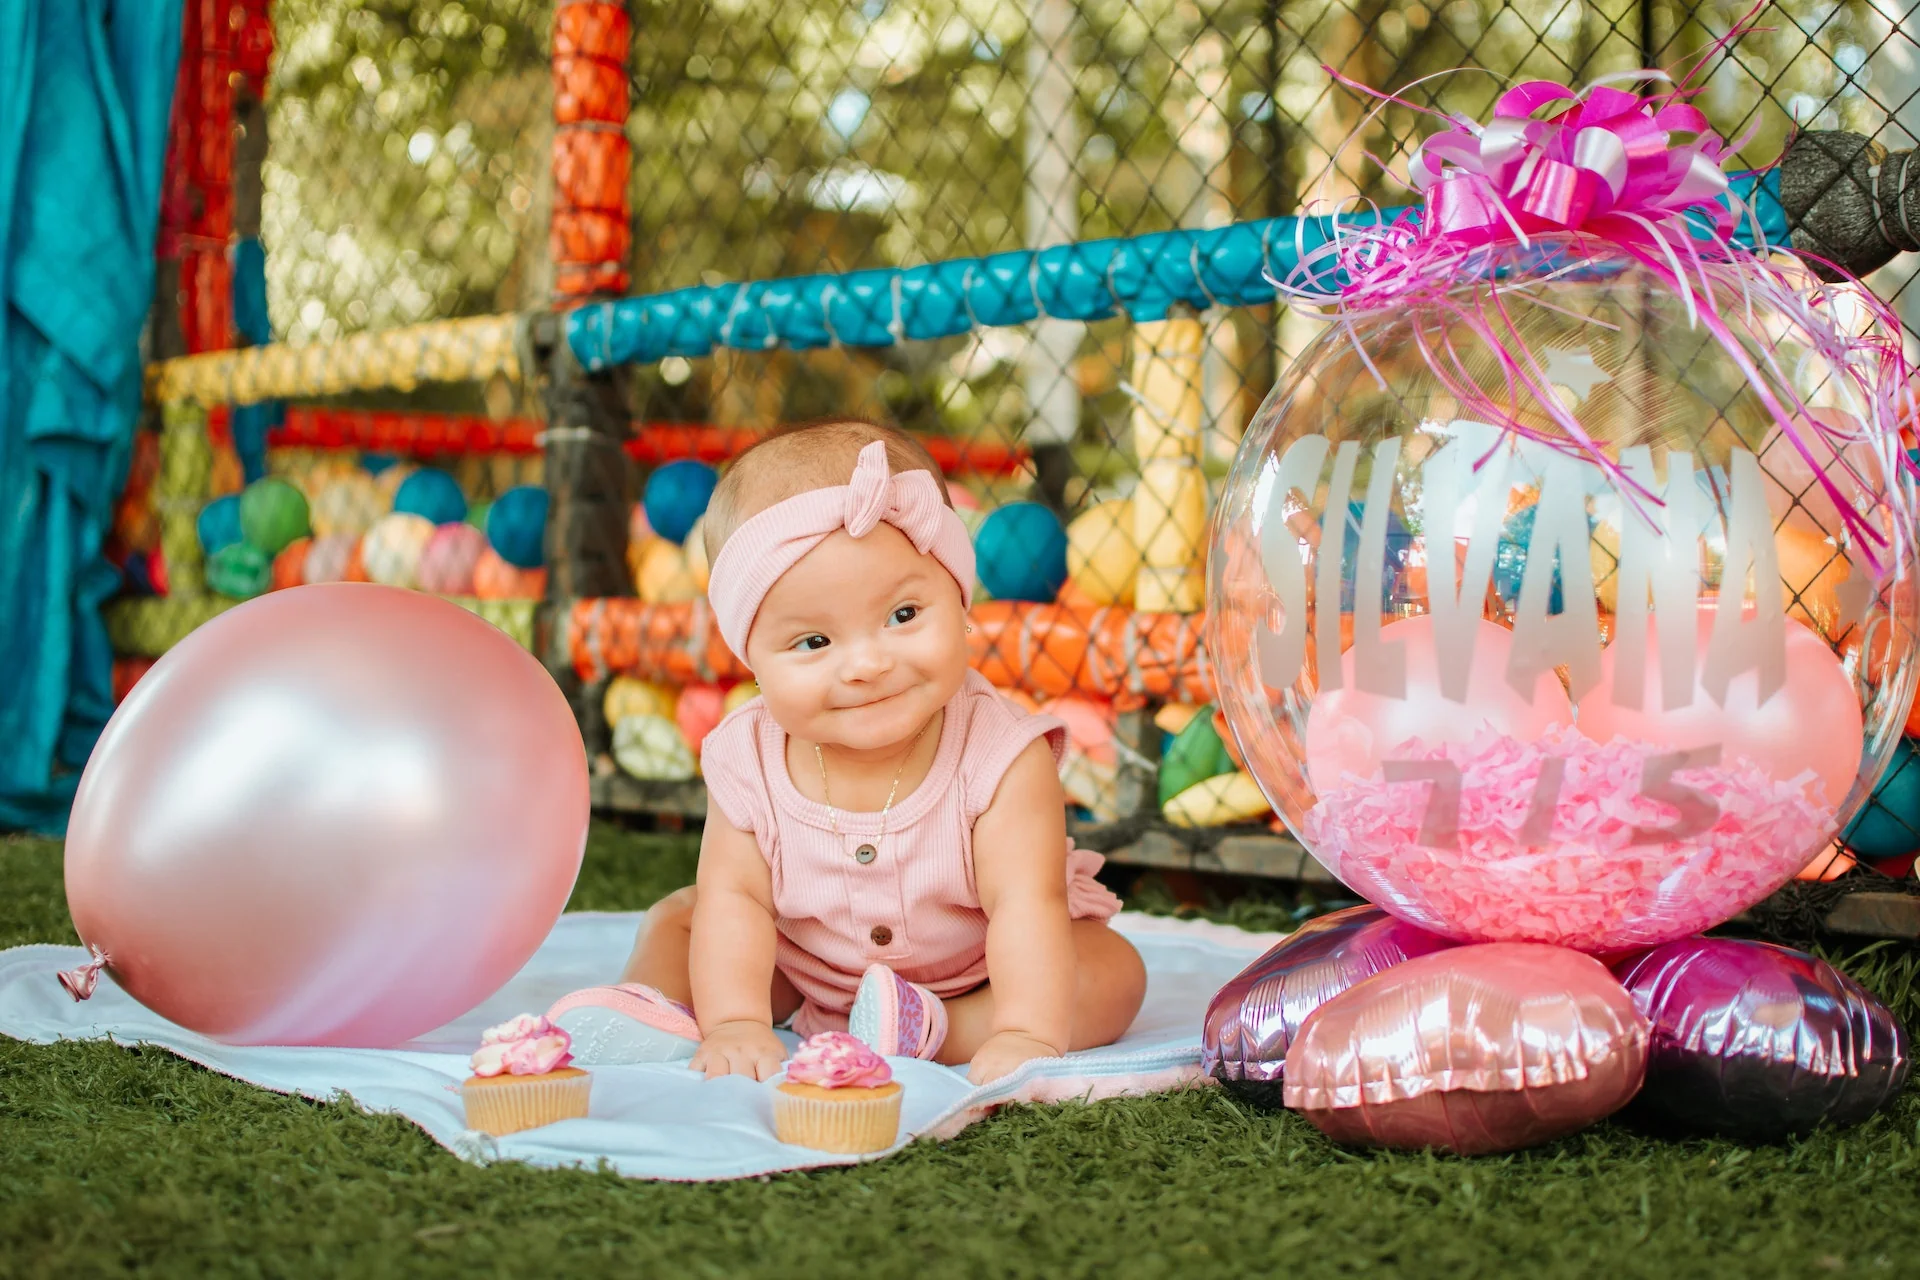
(588, 486)
(1170, 503)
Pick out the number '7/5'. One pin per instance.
(1440, 825)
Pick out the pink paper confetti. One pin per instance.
(1590, 886)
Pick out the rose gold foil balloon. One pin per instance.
(1251, 1021)
(1482, 1048)
(334, 815)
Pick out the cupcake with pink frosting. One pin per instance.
(838, 1096)
(521, 1079)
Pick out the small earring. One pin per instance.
(969, 630)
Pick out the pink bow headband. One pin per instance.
(769, 544)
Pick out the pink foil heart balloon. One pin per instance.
(1477, 1049)
(334, 815)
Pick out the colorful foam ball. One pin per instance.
(1474, 1049)
(477, 515)
(349, 504)
(1089, 724)
(1217, 802)
(651, 747)
(357, 561)
(272, 514)
(517, 526)
(432, 493)
(665, 577)
(393, 547)
(388, 482)
(676, 495)
(313, 472)
(328, 558)
(447, 563)
(290, 566)
(638, 530)
(239, 570)
(740, 695)
(1195, 754)
(630, 696)
(1759, 1043)
(495, 579)
(1021, 553)
(1888, 826)
(1094, 785)
(697, 710)
(219, 524)
(1102, 557)
(1252, 1021)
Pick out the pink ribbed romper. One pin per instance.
(914, 906)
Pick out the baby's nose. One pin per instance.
(866, 660)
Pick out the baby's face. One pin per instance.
(860, 643)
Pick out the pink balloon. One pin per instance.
(1813, 722)
(697, 710)
(446, 566)
(1349, 731)
(1477, 1049)
(333, 815)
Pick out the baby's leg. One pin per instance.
(1110, 983)
(660, 955)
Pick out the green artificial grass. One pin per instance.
(134, 1161)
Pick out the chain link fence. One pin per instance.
(408, 178)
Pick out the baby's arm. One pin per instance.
(731, 956)
(1020, 866)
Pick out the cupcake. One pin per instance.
(838, 1096)
(521, 1079)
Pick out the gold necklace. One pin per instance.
(833, 815)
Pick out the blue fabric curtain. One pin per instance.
(85, 90)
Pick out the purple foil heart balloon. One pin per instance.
(1252, 1020)
(1757, 1042)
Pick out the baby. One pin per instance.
(887, 850)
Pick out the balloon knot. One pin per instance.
(81, 981)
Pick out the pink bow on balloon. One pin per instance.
(1553, 159)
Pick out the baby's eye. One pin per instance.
(812, 643)
(904, 614)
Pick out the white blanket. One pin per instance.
(656, 1121)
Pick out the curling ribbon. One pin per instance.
(1613, 174)
(1605, 160)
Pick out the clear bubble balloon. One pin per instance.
(1538, 605)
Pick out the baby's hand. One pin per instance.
(1005, 1051)
(747, 1049)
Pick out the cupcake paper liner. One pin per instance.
(526, 1103)
(845, 1126)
